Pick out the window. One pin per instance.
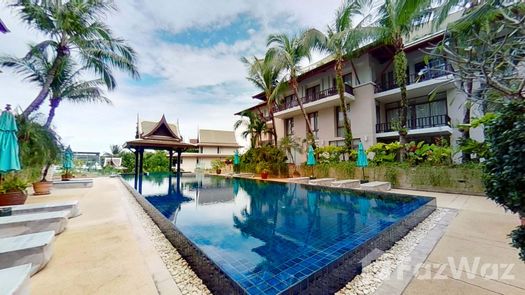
(347, 79)
(218, 150)
(339, 122)
(289, 126)
(201, 149)
(312, 93)
(313, 118)
(289, 101)
(355, 143)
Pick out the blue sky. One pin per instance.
(189, 58)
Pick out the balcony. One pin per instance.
(416, 123)
(432, 73)
(291, 103)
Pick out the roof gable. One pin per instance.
(159, 130)
(218, 137)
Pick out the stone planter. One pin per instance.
(218, 171)
(42, 187)
(13, 198)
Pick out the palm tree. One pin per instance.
(67, 84)
(341, 41)
(254, 127)
(76, 26)
(264, 74)
(395, 21)
(289, 51)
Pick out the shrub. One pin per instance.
(273, 156)
(428, 153)
(329, 153)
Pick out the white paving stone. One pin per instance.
(347, 183)
(376, 186)
(321, 181)
(73, 183)
(71, 206)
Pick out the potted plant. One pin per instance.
(264, 169)
(217, 165)
(13, 191)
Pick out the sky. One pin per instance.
(188, 57)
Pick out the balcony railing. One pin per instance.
(416, 123)
(431, 73)
(311, 98)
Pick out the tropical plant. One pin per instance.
(273, 156)
(39, 146)
(67, 84)
(253, 126)
(13, 183)
(156, 162)
(384, 153)
(434, 154)
(75, 28)
(395, 22)
(289, 144)
(217, 164)
(288, 52)
(341, 41)
(265, 74)
(329, 154)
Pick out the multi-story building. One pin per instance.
(374, 99)
(211, 145)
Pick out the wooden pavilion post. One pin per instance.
(170, 183)
(141, 168)
(136, 168)
(179, 152)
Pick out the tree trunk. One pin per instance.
(270, 111)
(44, 173)
(54, 102)
(400, 65)
(300, 102)
(467, 157)
(41, 97)
(341, 91)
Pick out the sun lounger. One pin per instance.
(15, 280)
(73, 183)
(33, 223)
(35, 249)
(71, 206)
(376, 186)
(347, 183)
(321, 181)
(299, 179)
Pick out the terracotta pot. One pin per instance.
(264, 175)
(65, 177)
(42, 187)
(218, 171)
(13, 198)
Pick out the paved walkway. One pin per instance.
(102, 251)
(478, 233)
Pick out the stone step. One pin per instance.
(73, 183)
(347, 183)
(33, 223)
(299, 179)
(71, 206)
(376, 186)
(321, 181)
(15, 280)
(35, 249)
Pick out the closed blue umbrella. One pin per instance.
(68, 159)
(362, 160)
(236, 160)
(310, 160)
(9, 150)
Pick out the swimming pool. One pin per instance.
(256, 237)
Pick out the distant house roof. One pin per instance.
(3, 28)
(209, 137)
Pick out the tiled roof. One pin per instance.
(224, 137)
(147, 126)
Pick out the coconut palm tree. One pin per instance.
(289, 51)
(341, 41)
(254, 127)
(395, 21)
(67, 84)
(76, 28)
(265, 74)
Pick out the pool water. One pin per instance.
(270, 236)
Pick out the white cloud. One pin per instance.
(202, 87)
